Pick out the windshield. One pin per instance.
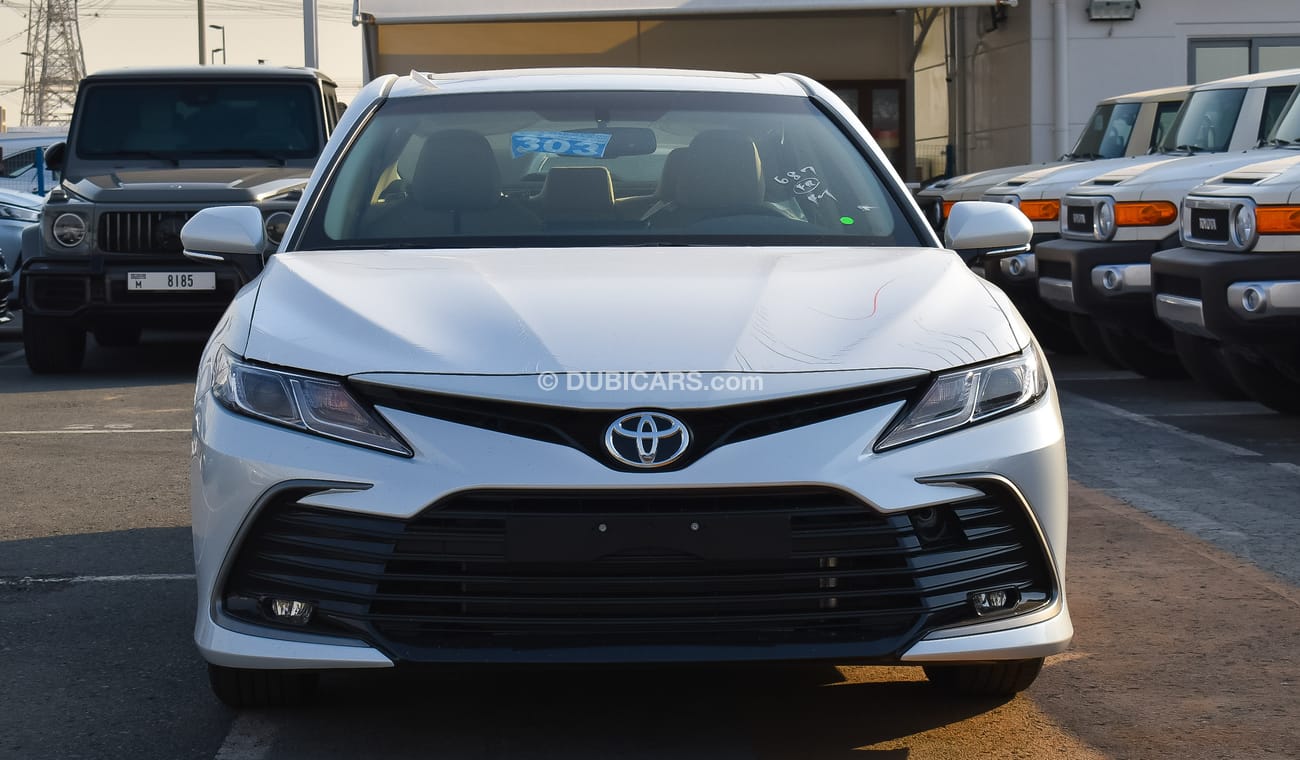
(1287, 129)
(1108, 131)
(1206, 121)
(610, 168)
(181, 120)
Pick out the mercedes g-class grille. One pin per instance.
(142, 231)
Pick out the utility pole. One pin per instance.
(55, 62)
(310, 43)
(203, 36)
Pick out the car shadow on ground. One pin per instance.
(699, 711)
(160, 358)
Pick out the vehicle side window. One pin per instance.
(1275, 101)
(1166, 113)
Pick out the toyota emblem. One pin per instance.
(646, 439)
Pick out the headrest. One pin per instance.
(578, 188)
(456, 172)
(671, 175)
(723, 172)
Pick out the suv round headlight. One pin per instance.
(276, 224)
(69, 230)
(1243, 226)
(1106, 219)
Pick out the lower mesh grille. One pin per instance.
(1059, 270)
(729, 568)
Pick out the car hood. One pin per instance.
(1052, 181)
(1190, 171)
(23, 200)
(534, 311)
(190, 184)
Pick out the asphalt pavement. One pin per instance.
(1182, 580)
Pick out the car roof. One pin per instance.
(1263, 79)
(1161, 93)
(215, 72)
(560, 79)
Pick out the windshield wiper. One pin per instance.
(1188, 149)
(1279, 142)
(154, 154)
(269, 155)
(1084, 156)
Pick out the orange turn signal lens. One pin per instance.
(1041, 211)
(1278, 220)
(1145, 213)
(947, 208)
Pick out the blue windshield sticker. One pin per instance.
(588, 144)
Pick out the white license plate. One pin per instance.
(171, 281)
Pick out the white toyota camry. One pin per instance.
(620, 366)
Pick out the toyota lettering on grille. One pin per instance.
(1207, 223)
(646, 439)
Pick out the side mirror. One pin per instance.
(981, 228)
(214, 233)
(55, 156)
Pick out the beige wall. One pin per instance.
(857, 46)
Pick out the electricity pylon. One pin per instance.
(55, 62)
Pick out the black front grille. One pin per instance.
(1210, 224)
(1079, 218)
(584, 429)
(142, 231)
(756, 567)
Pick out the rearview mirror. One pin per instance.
(980, 228)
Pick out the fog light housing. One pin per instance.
(1253, 300)
(1111, 280)
(994, 601)
(291, 611)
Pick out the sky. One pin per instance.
(117, 33)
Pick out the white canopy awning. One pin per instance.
(422, 11)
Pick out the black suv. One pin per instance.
(146, 150)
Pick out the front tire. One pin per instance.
(1088, 336)
(52, 345)
(994, 679)
(1204, 361)
(242, 688)
(1141, 356)
(1263, 382)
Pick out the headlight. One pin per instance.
(276, 224)
(18, 213)
(69, 230)
(1012, 200)
(971, 395)
(1106, 219)
(1243, 226)
(310, 404)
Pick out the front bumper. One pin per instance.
(244, 471)
(1107, 281)
(92, 290)
(1208, 293)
